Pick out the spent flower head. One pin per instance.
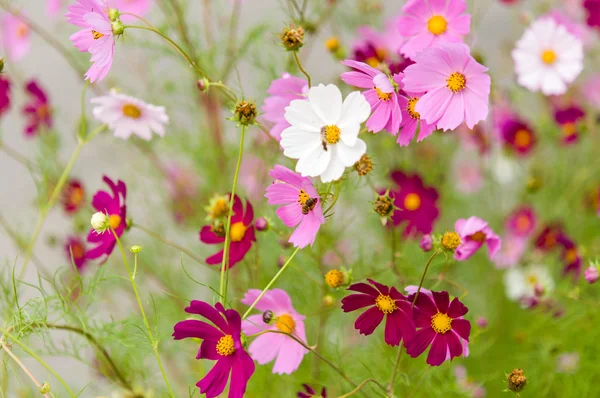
(292, 37)
(516, 380)
(245, 113)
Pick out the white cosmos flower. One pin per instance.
(323, 135)
(521, 282)
(547, 57)
(127, 115)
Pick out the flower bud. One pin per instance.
(113, 14)
(591, 274)
(268, 316)
(203, 84)
(280, 261)
(100, 222)
(335, 278)
(117, 27)
(539, 290)
(364, 165)
(292, 38)
(426, 243)
(516, 380)
(328, 300)
(384, 206)
(482, 322)
(45, 388)
(135, 249)
(1, 64)
(261, 224)
(245, 113)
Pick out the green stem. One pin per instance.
(360, 386)
(169, 243)
(277, 275)
(301, 68)
(423, 277)
(22, 366)
(153, 341)
(225, 263)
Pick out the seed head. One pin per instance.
(364, 165)
(450, 241)
(292, 38)
(516, 380)
(245, 113)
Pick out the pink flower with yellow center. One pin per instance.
(522, 222)
(16, 37)
(474, 233)
(75, 249)
(73, 196)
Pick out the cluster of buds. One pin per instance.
(245, 113)
(384, 206)
(292, 38)
(338, 278)
(364, 165)
(115, 21)
(516, 380)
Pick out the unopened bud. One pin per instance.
(384, 206)
(100, 222)
(135, 249)
(261, 224)
(280, 261)
(332, 44)
(482, 322)
(539, 290)
(591, 274)
(268, 316)
(202, 84)
(292, 38)
(334, 278)
(516, 380)
(426, 243)
(117, 27)
(328, 300)
(45, 388)
(113, 14)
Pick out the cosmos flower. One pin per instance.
(323, 135)
(548, 237)
(440, 324)
(474, 233)
(456, 86)
(426, 23)
(137, 7)
(382, 301)
(591, 274)
(5, 95)
(302, 204)
(467, 173)
(411, 119)
(73, 196)
(521, 222)
(509, 255)
(16, 37)
(77, 248)
(127, 115)
(281, 92)
(113, 206)
(562, 18)
(278, 314)
(591, 90)
(524, 283)
(96, 37)
(571, 256)
(222, 343)
(309, 392)
(37, 109)
(417, 204)
(567, 118)
(241, 233)
(466, 384)
(516, 135)
(592, 8)
(567, 362)
(547, 57)
(53, 7)
(381, 95)
(377, 49)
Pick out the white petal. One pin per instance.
(314, 163)
(299, 114)
(297, 142)
(349, 155)
(326, 102)
(335, 169)
(355, 108)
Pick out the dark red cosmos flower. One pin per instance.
(417, 204)
(441, 325)
(548, 237)
(114, 207)
(383, 302)
(76, 247)
(517, 136)
(593, 13)
(37, 109)
(571, 256)
(310, 393)
(222, 343)
(4, 95)
(73, 196)
(241, 233)
(567, 119)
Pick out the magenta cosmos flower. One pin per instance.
(16, 37)
(570, 256)
(113, 205)
(521, 222)
(441, 326)
(76, 247)
(381, 95)
(417, 204)
(548, 237)
(37, 109)
(4, 95)
(281, 92)
(302, 204)
(593, 13)
(474, 233)
(222, 343)
(309, 392)
(378, 49)
(73, 196)
(96, 37)
(567, 118)
(382, 301)
(241, 234)
(280, 315)
(428, 22)
(456, 85)
(515, 134)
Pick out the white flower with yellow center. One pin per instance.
(547, 58)
(127, 115)
(521, 283)
(323, 135)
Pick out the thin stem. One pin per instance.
(226, 90)
(225, 263)
(153, 342)
(395, 370)
(31, 166)
(181, 24)
(301, 68)
(169, 243)
(360, 386)
(27, 372)
(277, 275)
(423, 277)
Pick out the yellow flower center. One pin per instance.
(437, 25)
(372, 61)
(237, 232)
(441, 323)
(410, 108)
(532, 280)
(132, 111)
(571, 255)
(303, 197)
(77, 251)
(478, 237)
(75, 196)
(97, 35)
(218, 207)
(548, 57)
(114, 221)
(412, 202)
(450, 240)
(331, 133)
(225, 346)
(568, 129)
(285, 323)
(332, 44)
(386, 304)
(456, 82)
(523, 223)
(383, 96)
(334, 278)
(22, 30)
(522, 138)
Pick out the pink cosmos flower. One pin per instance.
(285, 351)
(76, 247)
(571, 256)
(456, 85)
(241, 233)
(429, 22)
(73, 196)
(468, 386)
(591, 90)
(591, 274)
(16, 37)
(53, 7)
(222, 343)
(474, 232)
(509, 255)
(96, 37)
(302, 204)
(137, 7)
(467, 173)
(561, 18)
(440, 325)
(281, 92)
(377, 49)
(522, 222)
(411, 120)
(116, 210)
(37, 109)
(381, 95)
(4, 95)
(567, 118)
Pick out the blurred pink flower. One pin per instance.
(521, 222)
(470, 387)
(474, 232)
(509, 255)
(591, 274)
(16, 37)
(5, 95)
(137, 7)
(567, 362)
(37, 109)
(281, 92)
(467, 173)
(568, 118)
(252, 177)
(591, 90)
(561, 18)
(53, 7)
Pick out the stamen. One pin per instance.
(456, 82)
(386, 304)
(383, 96)
(548, 57)
(412, 102)
(237, 232)
(132, 111)
(225, 346)
(437, 25)
(97, 35)
(441, 323)
(412, 202)
(285, 323)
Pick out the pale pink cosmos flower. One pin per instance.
(591, 90)
(411, 119)
(457, 86)
(509, 255)
(426, 23)
(474, 233)
(302, 204)
(53, 7)
(16, 37)
(252, 177)
(281, 92)
(96, 37)
(137, 7)
(467, 173)
(286, 352)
